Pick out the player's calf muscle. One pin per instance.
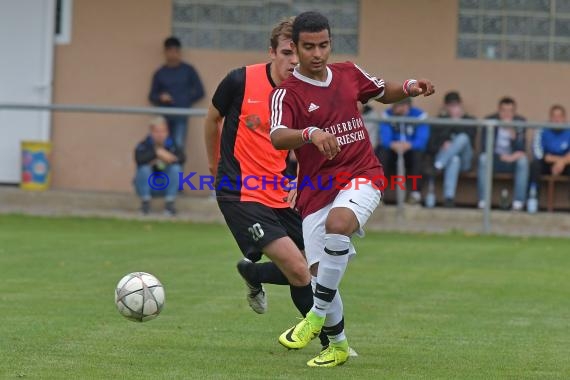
(290, 260)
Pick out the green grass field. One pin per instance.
(417, 306)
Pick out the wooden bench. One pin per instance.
(554, 191)
(551, 182)
(552, 195)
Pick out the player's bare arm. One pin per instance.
(286, 139)
(213, 119)
(394, 92)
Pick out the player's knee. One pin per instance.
(341, 226)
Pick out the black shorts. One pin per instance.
(255, 225)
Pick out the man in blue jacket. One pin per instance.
(176, 84)
(554, 158)
(408, 139)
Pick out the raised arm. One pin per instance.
(394, 92)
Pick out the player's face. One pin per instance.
(284, 59)
(557, 116)
(313, 50)
(507, 111)
(159, 133)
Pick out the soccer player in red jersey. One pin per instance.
(315, 113)
(257, 211)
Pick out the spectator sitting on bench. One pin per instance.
(158, 153)
(509, 154)
(409, 139)
(452, 146)
(553, 156)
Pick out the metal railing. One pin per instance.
(89, 108)
(488, 124)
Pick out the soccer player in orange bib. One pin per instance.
(251, 189)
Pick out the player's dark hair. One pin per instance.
(283, 29)
(172, 42)
(507, 100)
(312, 22)
(558, 107)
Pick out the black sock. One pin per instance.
(302, 297)
(324, 339)
(269, 273)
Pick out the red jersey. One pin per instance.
(302, 102)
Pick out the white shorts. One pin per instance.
(362, 201)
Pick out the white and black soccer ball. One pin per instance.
(139, 296)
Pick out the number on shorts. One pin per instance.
(256, 231)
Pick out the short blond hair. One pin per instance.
(283, 29)
(157, 120)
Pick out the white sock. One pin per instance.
(334, 323)
(337, 338)
(313, 282)
(334, 314)
(331, 269)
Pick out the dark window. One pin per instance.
(233, 25)
(521, 30)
